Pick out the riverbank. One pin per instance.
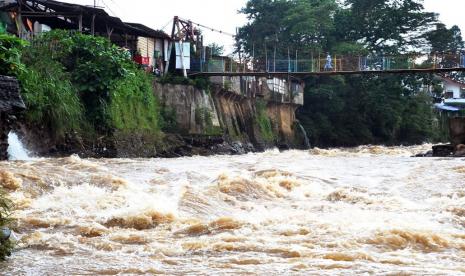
(84, 95)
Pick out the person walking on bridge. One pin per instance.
(328, 64)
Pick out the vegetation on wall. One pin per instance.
(264, 122)
(82, 83)
(10, 55)
(52, 100)
(168, 119)
(133, 106)
(204, 118)
(198, 82)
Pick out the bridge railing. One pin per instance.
(335, 63)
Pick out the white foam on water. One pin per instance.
(16, 149)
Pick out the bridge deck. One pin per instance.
(325, 73)
(339, 65)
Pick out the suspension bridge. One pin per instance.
(312, 64)
(331, 65)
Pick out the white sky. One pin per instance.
(217, 14)
(451, 12)
(223, 15)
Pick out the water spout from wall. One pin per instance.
(304, 133)
(16, 149)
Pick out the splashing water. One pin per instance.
(363, 211)
(304, 133)
(16, 149)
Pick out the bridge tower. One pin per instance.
(183, 31)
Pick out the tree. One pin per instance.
(349, 110)
(216, 49)
(445, 40)
(264, 26)
(382, 25)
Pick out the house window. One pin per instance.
(462, 93)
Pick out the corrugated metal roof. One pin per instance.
(102, 18)
(151, 32)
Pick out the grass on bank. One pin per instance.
(79, 83)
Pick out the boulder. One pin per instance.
(443, 150)
(459, 150)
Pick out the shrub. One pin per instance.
(94, 66)
(51, 99)
(10, 55)
(133, 105)
(89, 78)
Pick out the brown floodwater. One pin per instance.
(362, 211)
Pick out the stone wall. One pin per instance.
(189, 105)
(4, 130)
(233, 114)
(218, 121)
(10, 103)
(457, 130)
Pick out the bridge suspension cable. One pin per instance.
(210, 28)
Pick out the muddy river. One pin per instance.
(363, 211)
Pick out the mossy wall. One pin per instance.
(224, 113)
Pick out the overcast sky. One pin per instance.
(223, 15)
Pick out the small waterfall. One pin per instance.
(16, 150)
(304, 133)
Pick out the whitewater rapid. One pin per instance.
(368, 210)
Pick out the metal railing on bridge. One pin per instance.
(331, 64)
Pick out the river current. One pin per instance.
(368, 210)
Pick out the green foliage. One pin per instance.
(94, 66)
(202, 83)
(322, 25)
(216, 49)
(10, 55)
(5, 221)
(227, 85)
(198, 82)
(85, 83)
(203, 117)
(349, 48)
(174, 79)
(264, 122)
(51, 98)
(350, 111)
(445, 40)
(168, 119)
(388, 26)
(133, 106)
(2, 28)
